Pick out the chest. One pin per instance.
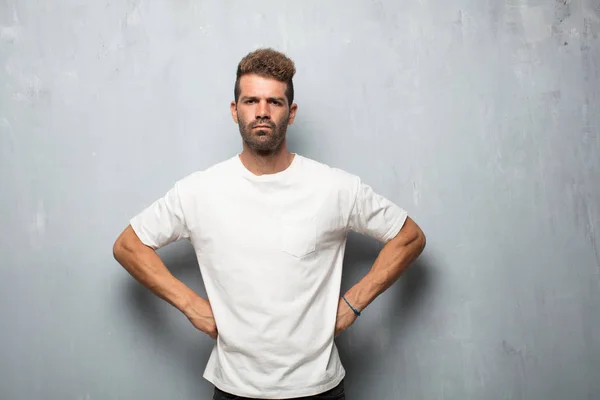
(293, 223)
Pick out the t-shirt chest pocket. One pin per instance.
(298, 235)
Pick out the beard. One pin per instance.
(262, 139)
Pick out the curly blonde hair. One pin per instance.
(267, 63)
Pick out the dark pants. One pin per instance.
(337, 393)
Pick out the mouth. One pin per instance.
(262, 127)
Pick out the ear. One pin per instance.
(293, 110)
(233, 109)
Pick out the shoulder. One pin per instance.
(337, 175)
(201, 178)
(323, 168)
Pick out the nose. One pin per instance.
(262, 110)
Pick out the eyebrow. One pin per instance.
(280, 99)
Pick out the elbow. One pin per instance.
(128, 246)
(413, 236)
(118, 249)
(418, 240)
(421, 241)
(410, 239)
(123, 245)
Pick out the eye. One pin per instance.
(276, 102)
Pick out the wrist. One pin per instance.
(195, 306)
(184, 300)
(356, 311)
(359, 296)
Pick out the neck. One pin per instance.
(262, 163)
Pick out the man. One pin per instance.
(269, 229)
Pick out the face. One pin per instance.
(262, 112)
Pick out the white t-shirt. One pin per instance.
(270, 250)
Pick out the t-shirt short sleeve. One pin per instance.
(162, 222)
(374, 215)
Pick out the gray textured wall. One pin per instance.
(481, 118)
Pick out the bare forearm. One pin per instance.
(148, 269)
(395, 257)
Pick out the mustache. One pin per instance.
(262, 122)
